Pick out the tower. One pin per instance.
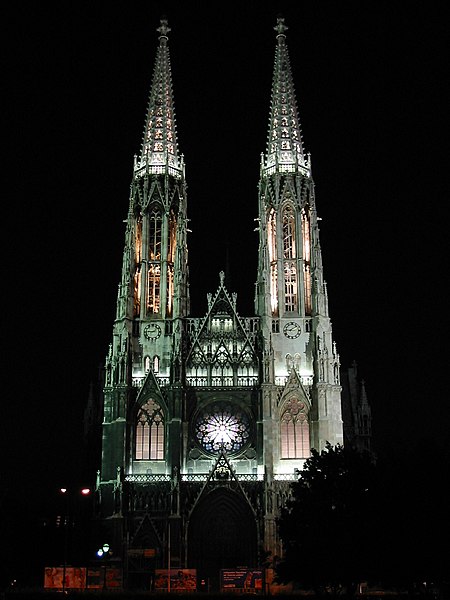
(206, 420)
(292, 301)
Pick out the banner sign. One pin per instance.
(79, 578)
(104, 577)
(180, 580)
(241, 579)
(74, 578)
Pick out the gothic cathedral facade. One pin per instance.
(206, 420)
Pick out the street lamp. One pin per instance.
(104, 552)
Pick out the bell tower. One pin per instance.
(300, 386)
(291, 296)
(152, 301)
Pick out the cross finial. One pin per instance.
(164, 28)
(280, 27)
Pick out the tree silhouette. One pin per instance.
(329, 524)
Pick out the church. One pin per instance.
(208, 419)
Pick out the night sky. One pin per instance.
(370, 83)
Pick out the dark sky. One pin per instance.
(370, 82)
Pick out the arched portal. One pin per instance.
(222, 533)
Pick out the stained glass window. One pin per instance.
(150, 432)
(306, 234)
(295, 430)
(222, 426)
(272, 246)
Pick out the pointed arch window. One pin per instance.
(272, 235)
(137, 292)
(294, 430)
(154, 264)
(172, 237)
(137, 268)
(150, 432)
(170, 289)
(306, 237)
(154, 237)
(272, 245)
(289, 233)
(289, 253)
(151, 364)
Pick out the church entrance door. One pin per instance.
(222, 534)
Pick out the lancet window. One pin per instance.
(289, 253)
(294, 430)
(272, 245)
(169, 289)
(289, 233)
(306, 237)
(154, 237)
(154, 265)
(172, 238)
(151, 363)
(171, 260)
(137, 269)
(150, 432)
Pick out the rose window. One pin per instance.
(222, 427)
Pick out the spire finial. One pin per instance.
(284, 147)
(159, 151)
(164, 28)
(280, 27)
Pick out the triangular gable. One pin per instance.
(146, 534)
(222, 305)
(222, 472)
(294, 384)
(149, 388)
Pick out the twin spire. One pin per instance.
(159, 152)
(284, 144)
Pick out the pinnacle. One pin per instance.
(164, 28)
(280, 27)
(159, 153)
(285, 149)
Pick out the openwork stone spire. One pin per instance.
(159, 150)
(284, 146)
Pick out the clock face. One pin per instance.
(152, 331)
(292, 330)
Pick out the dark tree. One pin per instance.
(328, 526)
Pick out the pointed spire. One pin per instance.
(159, 150)
(284, 147)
